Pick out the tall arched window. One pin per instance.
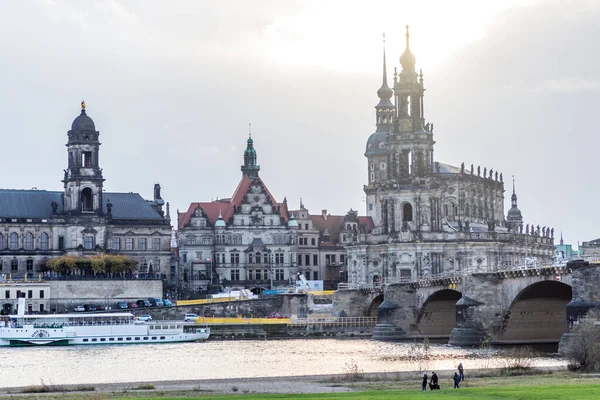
(14, 241)
(29, 241)
(87, 200)
(44, 241)
(407, 212)
(467, 210)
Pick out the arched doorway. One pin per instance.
(437, 316)
(538, 314)
(87, 200)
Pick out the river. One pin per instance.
(231, 359)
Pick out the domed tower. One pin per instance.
(514, 218)
(376, 151)
(250, 168)
(411, 147)
(83, 177)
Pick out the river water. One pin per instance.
(231, 359)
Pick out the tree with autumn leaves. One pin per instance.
(108, 264)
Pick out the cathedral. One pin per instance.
(83, 219)
(432, 218)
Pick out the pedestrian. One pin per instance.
(456, 380)
(460, 372)
(424, 384)
(433, 384)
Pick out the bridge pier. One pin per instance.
(469, 330)
(586, 296)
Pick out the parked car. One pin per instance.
(79, 308)
(167, 303)
(155, 302)
(190, 317)
(122, 305)
(276, 315)
(89, 307)
(144, 317)
(143, 303)
(100, 307)
(132, 305)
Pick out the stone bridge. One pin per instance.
(516, 306)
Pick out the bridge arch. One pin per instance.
(437, 317)
(375, 303)
(537, 314)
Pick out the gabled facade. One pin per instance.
(322, 241)
(82, 220)
(248, 240)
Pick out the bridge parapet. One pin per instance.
(535, 271)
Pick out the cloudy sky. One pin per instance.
(172, 86)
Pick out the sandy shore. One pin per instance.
(302, 384)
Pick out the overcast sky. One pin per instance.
(172, 85)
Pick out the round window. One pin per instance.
(382, 165)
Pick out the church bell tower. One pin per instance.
(83, 177)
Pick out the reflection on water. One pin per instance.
(228, 359)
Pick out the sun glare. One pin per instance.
(347, 39)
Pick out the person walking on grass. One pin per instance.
(433, 384)
(424, 384)
(460, 372)
(456, 380)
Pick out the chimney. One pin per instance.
(324, 214)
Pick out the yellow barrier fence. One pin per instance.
(208, 301)
(240, 321)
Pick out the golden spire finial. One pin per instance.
(82, 105)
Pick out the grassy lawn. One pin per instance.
(539, 386)
(558, 392)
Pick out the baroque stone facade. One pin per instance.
(82, 220)
(432, 218)
(248, 240)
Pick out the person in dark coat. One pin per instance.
(433, 384)
(424, 384)
(460, 372)
(456, 380)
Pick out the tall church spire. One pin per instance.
(384, 92)
(250, 168)
(514, 217)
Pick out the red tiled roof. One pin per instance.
(333, 224)
(226, 206)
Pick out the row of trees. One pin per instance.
(108, 264)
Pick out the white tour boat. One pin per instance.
(101, 328)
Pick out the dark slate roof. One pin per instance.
(28, 203)
(15, 203)
(129, 206)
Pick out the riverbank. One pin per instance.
(540, 384)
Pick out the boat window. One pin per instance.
(94, 340)
(112, 339)
(103, 340)
(146, 338)
(85, 340)
(137, 338)
(120, 339)
(162, 338)
(153, 337)
(172, 326)
(128, 338)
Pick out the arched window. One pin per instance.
(446, 210)
(44, 242)
(14, 241)
(29, 241)
(14, 264)
(87, 200)
(1, 242)
(407, 212)
(467, 210)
